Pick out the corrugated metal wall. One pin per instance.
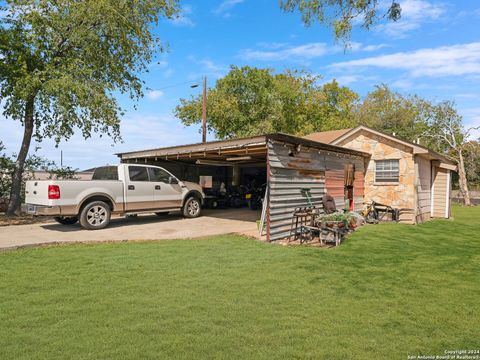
(293, 168)
(359, 189)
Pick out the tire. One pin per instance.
(95, 215)
(372, 217)
(66, 220)
(192, 208)
(162, 214)
(253, 205)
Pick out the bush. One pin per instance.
(32, 164)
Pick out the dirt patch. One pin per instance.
(311, 243)
(23, 220)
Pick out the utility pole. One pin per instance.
(204, 108)
(204, 111)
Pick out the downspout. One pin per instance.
(268, 191)
(432, 183)
(416, 182)
(447, 200)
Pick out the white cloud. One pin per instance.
(370, 48)
(139, 131)
(306, 51)
(472, 120)
(209, 68)
(161, 67)
(354, 78)
(160, 64)
(183, 18)
(455, 60)
(210, 65)
(414, 14)
(271, 45)
(154, 94)
(168, 73)
(347, 79)
(281, 51)
(403, 84)
(225, 6)
(466, 96)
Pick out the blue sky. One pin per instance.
(433, 51)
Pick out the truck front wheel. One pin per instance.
(192, 208)
(95, 215)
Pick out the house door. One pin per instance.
(440, 193)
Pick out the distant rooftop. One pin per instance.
(326, 137)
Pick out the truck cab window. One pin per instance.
(137, 173)
(105, 173)
(158, 175)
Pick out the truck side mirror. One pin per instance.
(172, 180)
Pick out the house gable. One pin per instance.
(399, 194)
(424, 175)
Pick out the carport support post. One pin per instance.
(204, 111)
(235, 175)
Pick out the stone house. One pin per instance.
(399, 173)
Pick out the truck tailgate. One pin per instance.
(36, 192)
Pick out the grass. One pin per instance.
(389, 291)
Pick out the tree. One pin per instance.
(338, 104)
(63, 60)
(251, 101)
(393, 113)
(32, 164)
(448, 136)
(472, 163)
(341, 15)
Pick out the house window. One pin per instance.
(386, 171)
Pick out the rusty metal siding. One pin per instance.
(292, 168)
(358, 190)
(335, 185)
(288, 175)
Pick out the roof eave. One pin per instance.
(417, 150)
(198, 147)
(315, 144)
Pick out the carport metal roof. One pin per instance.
(254, 146)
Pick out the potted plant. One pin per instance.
(339, 220)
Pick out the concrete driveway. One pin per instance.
(143, 227)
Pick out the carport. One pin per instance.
(297, 171)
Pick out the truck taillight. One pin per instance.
(53, 192)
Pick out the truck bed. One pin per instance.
(72, 191)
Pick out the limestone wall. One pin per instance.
(399, 195)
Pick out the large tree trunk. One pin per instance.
(462, 179)
(14, 203)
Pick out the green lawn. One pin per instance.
(389, 291)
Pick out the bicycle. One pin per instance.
(376, 212)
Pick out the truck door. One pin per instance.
(167, 191)
(139, 189)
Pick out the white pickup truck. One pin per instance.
(124, 189)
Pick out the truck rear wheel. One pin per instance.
(66, 220)
(192, 208)
(95, 215)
